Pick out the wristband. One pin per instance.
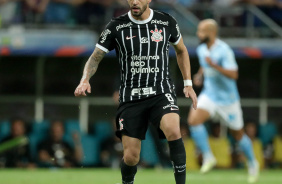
(187, 83)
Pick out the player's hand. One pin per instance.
(209, 61)
(82, 88)
(198, 79)
(190, 93)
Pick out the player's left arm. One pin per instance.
(228, 65)
(230, 73)
(184, 66)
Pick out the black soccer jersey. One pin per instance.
(142, 48)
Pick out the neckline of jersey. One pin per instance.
(141, 21)
(213, 46)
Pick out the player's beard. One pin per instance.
(142, 10)
(205, 40)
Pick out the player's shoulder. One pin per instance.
(163, 15)
(223, 45)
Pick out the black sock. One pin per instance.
(128, 173)
(178, 159)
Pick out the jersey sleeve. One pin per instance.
(175, 31)
(107, 39)
(228, 61)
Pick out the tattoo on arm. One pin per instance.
(91, 65)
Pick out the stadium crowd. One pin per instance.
(62, 145)
(94, 12)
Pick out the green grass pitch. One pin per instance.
(144, 176)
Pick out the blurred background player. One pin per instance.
(219, 98)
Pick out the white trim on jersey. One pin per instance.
(162, 86)
(167, 69)
(155, 79)
(102, 48)
(122, 33)
(149, 45)
(175, 43)
(140, 53)
(132, 49)
(121, 62)
(141, 21)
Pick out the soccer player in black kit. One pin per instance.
(141, 39)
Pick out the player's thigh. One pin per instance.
(206, 109)
(132, 120)
(198, 116)
(170, 125)
(164, 110)
(232, 116)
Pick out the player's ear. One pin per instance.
(149, 1)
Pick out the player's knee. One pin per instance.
(173, 134)
(192, 121)
(131, 157)
(237, 134)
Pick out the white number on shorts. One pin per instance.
(169, 98)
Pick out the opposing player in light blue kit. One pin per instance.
(219, 98)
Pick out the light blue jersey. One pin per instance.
(219, 88)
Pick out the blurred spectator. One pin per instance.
(18, 153)
(186, 3)
(166, 1)
(60, 11)
(251, 131)
(121, 8)
(272, 8)
(262, 2)
(32, 10)
(7, 11)
(55, 152)
(277, 148)
(93, 12)
(225, 3)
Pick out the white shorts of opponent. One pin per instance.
(231, 115)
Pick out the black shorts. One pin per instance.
(133, 118)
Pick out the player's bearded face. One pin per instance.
(138, 10)
(205, 39)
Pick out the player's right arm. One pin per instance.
(90, 69)
(104, 45)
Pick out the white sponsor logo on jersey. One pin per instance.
(159, 22)
(172, 107)
(144, 70)
(129, 38)
(135, 57)
(138, 67)
(104, 35)
(123, 25)
(156, 35)
(142, 91)
(144, 40)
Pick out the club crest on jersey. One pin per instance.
(156, 35)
